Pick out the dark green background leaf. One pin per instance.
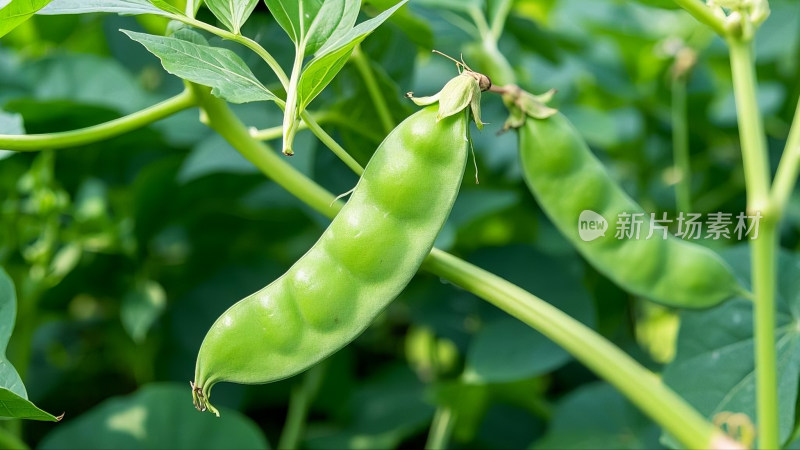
(719, 342)
(597, 416)
(156, 416)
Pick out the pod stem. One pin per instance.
(200, 398)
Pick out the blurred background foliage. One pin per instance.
(125, 251)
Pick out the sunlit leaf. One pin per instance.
(95, 6)
(14, 401)
(156, 416)
(333, 55)
(17, 12)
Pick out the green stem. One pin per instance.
(634, 381)
(701, 12)
(497, 68)
(480, 22)
(272, 133)
(756, 171)
(299, 403)
(96, 133)
(786, 176)
(219, 117)
(268, 134)
(441, 429)
(334, 146)
(290, 109)
(638, 384)
(362, 65)
(343, 121)
(502, 10)
(680, 145)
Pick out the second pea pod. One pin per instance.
(362, 261)
(567, 180)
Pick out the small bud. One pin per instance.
(484, 82)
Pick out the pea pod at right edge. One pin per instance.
(567, 179)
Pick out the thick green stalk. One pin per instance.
(680, 145)
(96, 133)
(375, 94)
(756, 171)
(641, 386)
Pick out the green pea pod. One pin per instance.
(365, 258)
(567, 179)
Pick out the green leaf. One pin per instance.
(14, 401)
(221, 69)
(213, 155)
(719, 342)
(17, 12)
(295, 16)
(164, 5)
(232, 13)
(387, 409)
(13, 405)
(335, 18)
(597, 416)
(107, 6)
(329, 59)
(141, 307)
(9, 379)
(508, 350)
(156, 416)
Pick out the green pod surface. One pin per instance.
(566, 179)
(362, 261)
